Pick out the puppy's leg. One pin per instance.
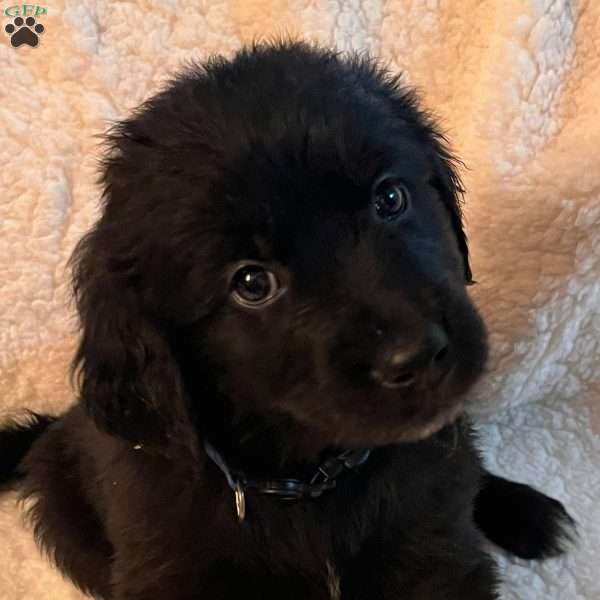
(65, 524)
(522, 520)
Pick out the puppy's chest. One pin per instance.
(401, 496)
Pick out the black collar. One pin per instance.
(323, 480)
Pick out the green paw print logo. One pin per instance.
(24, 29)
(24, 32)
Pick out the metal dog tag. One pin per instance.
(240, 502)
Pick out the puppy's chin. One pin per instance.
(383, 420)
(441, 420)
(405, 433)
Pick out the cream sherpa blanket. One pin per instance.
(517, 85)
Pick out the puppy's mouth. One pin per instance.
(406, 380)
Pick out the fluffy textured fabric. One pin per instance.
(516, 85)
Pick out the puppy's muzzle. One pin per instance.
(425, 361)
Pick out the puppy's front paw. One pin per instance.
(522, 520)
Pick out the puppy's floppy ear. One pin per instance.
(128, 379)
(445, 165)
(447, 181)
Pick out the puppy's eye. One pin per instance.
(253, 286)
(390, 198)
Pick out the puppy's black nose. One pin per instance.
(406, 364)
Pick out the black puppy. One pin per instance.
(276, 344)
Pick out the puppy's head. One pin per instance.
(281, 239)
